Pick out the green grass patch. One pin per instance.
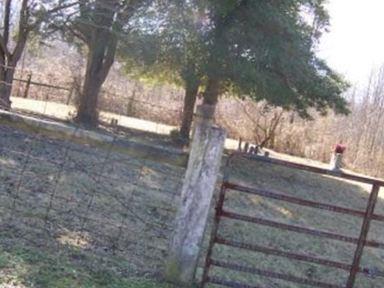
(29, 267)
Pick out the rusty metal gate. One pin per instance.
(352, 269)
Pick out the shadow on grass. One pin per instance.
(74, 215)
(22, 266)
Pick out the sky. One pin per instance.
(355, 44)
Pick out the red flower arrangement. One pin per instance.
(339, 148)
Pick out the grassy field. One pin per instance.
(22, 267)
(79, 215)
(61, 112)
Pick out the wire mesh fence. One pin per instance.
(61, 194)
(125, 99)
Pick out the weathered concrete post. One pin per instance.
(336, 161)
(197, 192)
(337, 157)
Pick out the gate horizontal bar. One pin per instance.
(314, 169)
(275, 275)
(318, 205)
(300, 257)
(299, 229)
(227, 283)
(276, 252)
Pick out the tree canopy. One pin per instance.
(170, 49)
(266, 50)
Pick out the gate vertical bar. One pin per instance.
(363, 235)
(216, 221)
(215, 228)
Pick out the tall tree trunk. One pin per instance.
(6, 81)
(191, 90)
(100, 59)
(102, 44)
(11, 51)
(8, 58)
(212, 92)
(87, 110)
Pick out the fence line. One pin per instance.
(42, 84)
(112, 102)
(114, 203)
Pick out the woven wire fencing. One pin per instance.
(123, 98)
(59, 194)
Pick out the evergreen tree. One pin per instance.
(266, 50)
(260, 49)
(171, 52)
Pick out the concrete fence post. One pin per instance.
(336, 161)
(337, 156)
(197, 193)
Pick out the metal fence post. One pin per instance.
(69, 98)
(363, 235)
(26, 91)
(197, 192)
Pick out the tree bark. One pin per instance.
(212, 92)
(6, 79)
(8, 58)
(6, 72)
(101, 56)
(8, 64)
(102, 44)
(191, 90)
(87, 112)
